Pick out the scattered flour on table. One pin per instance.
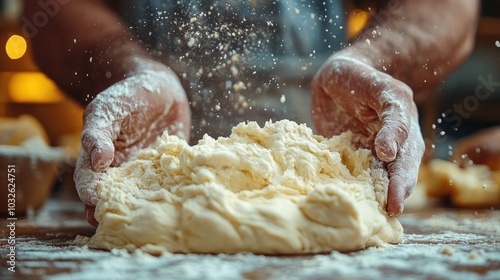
(276, 189)
(419, 257)
(413, 260)
(455, 224)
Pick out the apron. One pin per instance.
(239, 60)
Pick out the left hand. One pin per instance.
(348, 94)
(123, 119)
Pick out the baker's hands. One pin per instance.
(123, 119)
(348, 94)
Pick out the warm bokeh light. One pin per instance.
(33, 87)
(16, 47)
(356, 22)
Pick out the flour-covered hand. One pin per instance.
(123, 119)
(348, 94)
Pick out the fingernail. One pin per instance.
(397, 212)
(388, 152)
(97, 160)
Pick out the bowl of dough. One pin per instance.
(29, 165)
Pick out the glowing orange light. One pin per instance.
(356, 22)
(33, 87)
(16, 47)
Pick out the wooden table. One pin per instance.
(439, 244)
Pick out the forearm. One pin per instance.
(418, 42)
(85, 48)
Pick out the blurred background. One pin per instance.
(32, 107)
(474, 86)
(25, 90)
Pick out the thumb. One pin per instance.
(86, 180)
(97, 141)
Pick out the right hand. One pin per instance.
(348, 94)
(124, 118)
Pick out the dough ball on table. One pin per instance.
(14, 131)
(472, 176)
(276, 189)
(482, 147)
(474, 186)
(420, 198)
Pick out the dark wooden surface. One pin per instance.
(439, 244)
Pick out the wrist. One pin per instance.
(108, 69)
(368, 55)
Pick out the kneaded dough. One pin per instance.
(276, 189)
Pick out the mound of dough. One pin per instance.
(272, 190)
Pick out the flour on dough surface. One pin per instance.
(276, 189)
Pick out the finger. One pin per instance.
(396, 195)
(403, 172)
(86, 179)
(396, 117)
(89, 213)
(97, 141)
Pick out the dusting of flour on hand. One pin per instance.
(276, 189)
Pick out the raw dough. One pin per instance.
(14, 131)
(272, 190)
(473, 186)
(482, 147)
